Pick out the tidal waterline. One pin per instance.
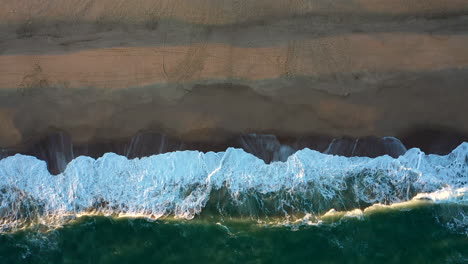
(409, 234)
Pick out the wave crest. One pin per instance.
(185, 183)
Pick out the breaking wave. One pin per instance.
(184, 184)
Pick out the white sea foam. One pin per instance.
(180, 183)
(447, 195)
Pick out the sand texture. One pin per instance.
(206, 69)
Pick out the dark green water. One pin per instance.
(419, 235)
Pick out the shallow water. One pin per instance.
(414, 234)
(232, 207)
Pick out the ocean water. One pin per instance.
(231, 207)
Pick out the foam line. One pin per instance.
(180, 183)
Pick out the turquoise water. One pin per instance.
(410, 234)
